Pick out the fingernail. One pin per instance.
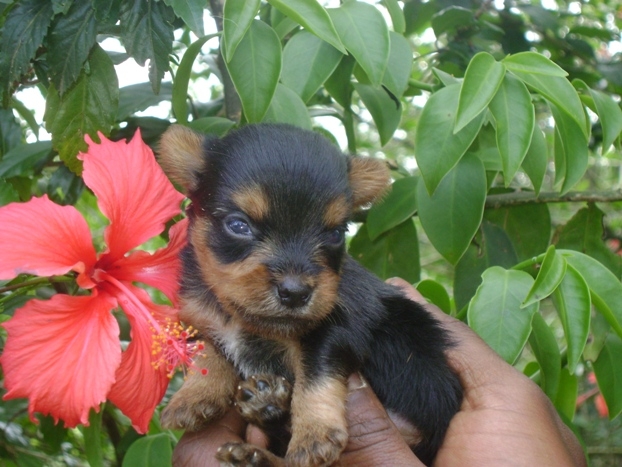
(356, 381)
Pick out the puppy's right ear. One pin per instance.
(181, 155)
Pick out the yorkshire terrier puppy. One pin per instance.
(287, 314)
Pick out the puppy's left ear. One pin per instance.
(181, 155)
(369, 179)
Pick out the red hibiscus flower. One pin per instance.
(64, 354)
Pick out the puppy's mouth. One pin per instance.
(283, 323)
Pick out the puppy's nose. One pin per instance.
(292, 292)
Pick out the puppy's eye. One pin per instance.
(238, 227)
(335, 236)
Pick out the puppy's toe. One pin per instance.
(317, 449)
(264, 399)
(246, 455)
(181, 415)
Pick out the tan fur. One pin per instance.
(202, 398)
(181, 155)
(369, 179)
(253, 202)
(337, 212)
(319, 428)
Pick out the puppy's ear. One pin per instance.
(369, 179)
(181, 156)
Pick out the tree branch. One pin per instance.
(518, 198)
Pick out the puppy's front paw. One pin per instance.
(246, 455)
(191, 413)
(264, 399)
(321, 446)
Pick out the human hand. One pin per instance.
(505, 418)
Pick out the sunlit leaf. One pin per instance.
(572, 301)
(515, 119)
(435, 293)
(452, 215)
(536, 159)
(365, 34)
(397, 15)
(437, 148)
(396, 75)
(482, 79)
(551, 273)
(150, 451)
(571, 152)
(191, 11)
(608, 370)
(566, 400)
(287, 107)
(255, 69)
(238, 16)
(495, 312)
(385, 110)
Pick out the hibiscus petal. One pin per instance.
(40, 237)
(159, 270)
(132, 191)
(62, 355)
(140, 383)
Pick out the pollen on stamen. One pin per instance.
(176, 347)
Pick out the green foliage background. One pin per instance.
(501, 122)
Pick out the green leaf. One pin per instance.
(482, 78)
(513, 219)
(533, 63)
(308, 61)
(255, 69)
(515, 120)
(339, 85)
(92, 439)
(212, 125)
(88, 107)
(566, 400)
(394, 253)
(491, 247)
(396, 207)
(536, 159)
(385, 111)
(70, 41)
(551, 273)
(556, 89)
(287, 107)
(24, 159)
(8, 194)
(495, 312)
(22, 33)
(150, 451)
(608, 370)
(238, 16)
(437, 148)
(138, 97)
(397, 16)
(27, 115)
(572, 301)
(584, 232)
(182, 78)
(10, 131)
(610, 116)
(544, 347)
(191, 11)
(147, 33)
(450, 19)
(605, 288)
(435, 293)
(397, 74)
(313, 17)
(571, 151)
(365, 34)
(452, 215)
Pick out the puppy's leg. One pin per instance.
(319, 428)
(202, 399)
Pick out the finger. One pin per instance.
(256, 436)
(373, 438)
(197, 449)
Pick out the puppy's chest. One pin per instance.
(251, 354)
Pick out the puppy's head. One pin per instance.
(270, 206)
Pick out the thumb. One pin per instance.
(373, 438)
